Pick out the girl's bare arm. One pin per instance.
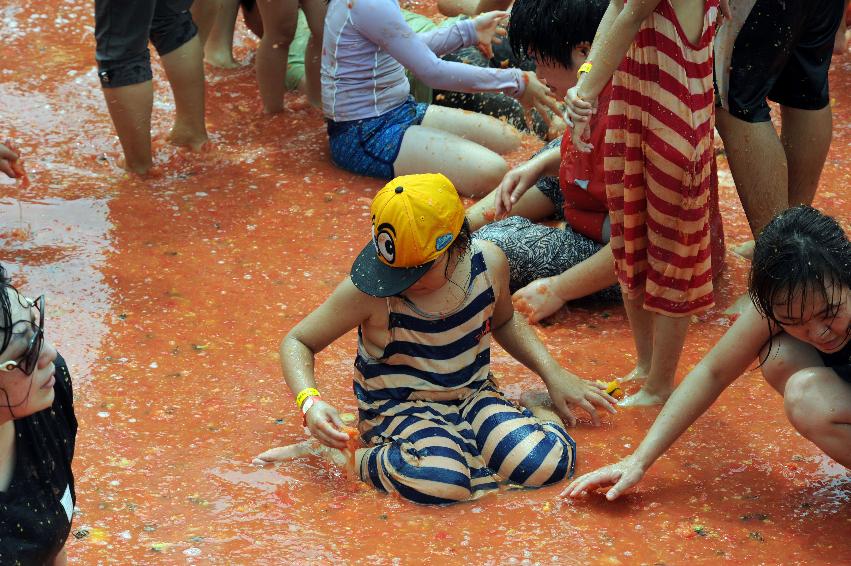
(731, 357)
(616, 33)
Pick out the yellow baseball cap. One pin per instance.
(415, 218)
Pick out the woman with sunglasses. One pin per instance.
(37, 433)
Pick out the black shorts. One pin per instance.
(123, 29)
(840, 362)
(782, 52)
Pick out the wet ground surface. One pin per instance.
(168, 297)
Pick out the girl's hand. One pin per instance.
(325, 425)
(578, 114)
(577, 109)
(8, 160)
(621, 476)
(489, 30)
(515, 183)
(539, 96)
(567, 389)
(578, 137)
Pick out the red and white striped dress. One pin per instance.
(658, 156)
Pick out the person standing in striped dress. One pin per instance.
(426, 300)
(658, 157)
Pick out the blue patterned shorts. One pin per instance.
(370, 146)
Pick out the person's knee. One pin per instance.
(282, 34)
(550, 461)
(436, 474)
(803, 405)
(433, 493)
(430, 481)
(776, 369)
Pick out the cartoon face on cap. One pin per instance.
(384, 239)
(415, 218)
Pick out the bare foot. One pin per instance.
(644, 399)
(143, 170)
(537, 300)
(185, 137)
(745, 250)
(283, 453)
(220, 59)
(311, 447)
(635, 375)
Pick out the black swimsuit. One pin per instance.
(840, 361)
(37, 507)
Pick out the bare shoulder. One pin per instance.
(348, 295)
(494, 256)
(497, 264)
(346, 308)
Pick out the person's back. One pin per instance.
(359, 79)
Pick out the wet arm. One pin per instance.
(548, 161)
(345, 309)
(616, 33)
(731, 357)
(381, 22)
(512, 332)
(586, 277)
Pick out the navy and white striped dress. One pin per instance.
(437, 428)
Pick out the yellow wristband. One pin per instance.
(304, 394)
(583, 68)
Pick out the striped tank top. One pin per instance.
(429, 357)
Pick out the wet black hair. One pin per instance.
(458, 249)
(5, 310)
(800, 251)
(551, 29)
(7, 328)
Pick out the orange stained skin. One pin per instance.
(352, 444)
(169, 296)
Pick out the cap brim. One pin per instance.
(374, 277)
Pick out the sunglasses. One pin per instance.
(28, 361)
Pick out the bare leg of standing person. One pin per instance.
(758, 164)
(641, 324)
(314, 12)
(184, 68)
(204, 15)
(218, 50)
(130, 109)
(806, 136)
(279, 23)
(668, 336)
